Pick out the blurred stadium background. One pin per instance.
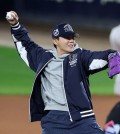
(95, 14)
(92, 19)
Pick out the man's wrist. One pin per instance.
(15, 26)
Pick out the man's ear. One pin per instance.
(55, 42)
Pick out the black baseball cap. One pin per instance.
(63, 30)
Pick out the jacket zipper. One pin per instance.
(35, 80)
(41, 70)
(66, 97)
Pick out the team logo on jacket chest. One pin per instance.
(73, 60)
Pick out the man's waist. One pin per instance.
(58, 107)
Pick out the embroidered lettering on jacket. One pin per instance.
(73, 60)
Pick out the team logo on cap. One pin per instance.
(68, 28)
(56, 32)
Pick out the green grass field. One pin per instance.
(101, 84)
(16, 78)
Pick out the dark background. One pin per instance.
(86, 13)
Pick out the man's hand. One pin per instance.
(114, 64)
(12, 17)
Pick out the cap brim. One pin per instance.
(70, 34)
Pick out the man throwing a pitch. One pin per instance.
(61, 97)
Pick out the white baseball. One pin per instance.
(9, 16)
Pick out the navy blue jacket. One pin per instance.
(76, 71)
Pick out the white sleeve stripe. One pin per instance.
(15, 25)
(16, 28)
(97, 64)
(14, 39)
(22, 52)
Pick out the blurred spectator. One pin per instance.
(112, 125)
(115, 44)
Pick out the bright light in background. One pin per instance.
(89, 1)
(109, 1)
(103, 2)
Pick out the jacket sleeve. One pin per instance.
(29, 51)
(95, 61)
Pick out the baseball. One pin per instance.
(9, 16)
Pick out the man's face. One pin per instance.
(64, 45)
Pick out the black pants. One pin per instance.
(114, 114)
(58, 122)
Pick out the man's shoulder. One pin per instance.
(79, 50)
